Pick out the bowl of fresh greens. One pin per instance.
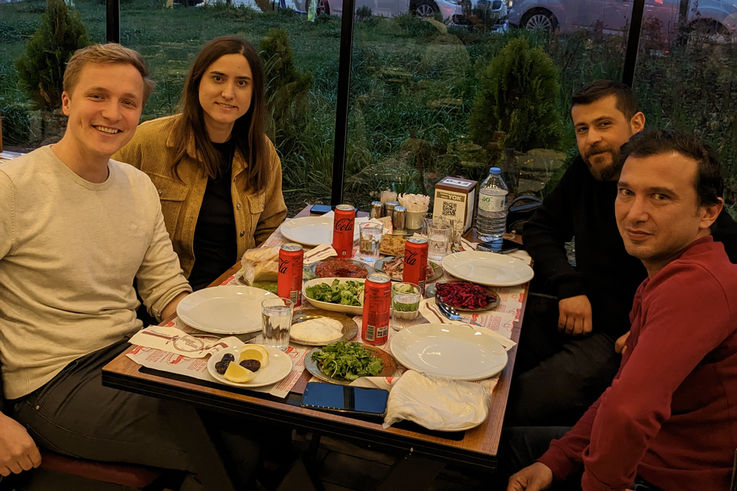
(336, 294)
(344, 362)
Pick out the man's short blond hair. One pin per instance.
(109, 53)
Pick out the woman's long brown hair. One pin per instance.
(248, 130)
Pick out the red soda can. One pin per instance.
(415, 262)
(289, 281)
(376, 302)
(345, 216)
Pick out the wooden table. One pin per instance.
(476, 447)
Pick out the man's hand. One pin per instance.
(619, 345)
(532, 478)
(574, 315)
(18, 453)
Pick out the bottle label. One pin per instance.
(492, 203)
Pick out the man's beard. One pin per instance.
(608, 172)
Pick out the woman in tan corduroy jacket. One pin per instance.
(217, 173)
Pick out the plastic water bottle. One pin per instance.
(491, 219)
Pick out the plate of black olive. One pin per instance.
(252, 365)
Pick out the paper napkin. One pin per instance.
(437, 403)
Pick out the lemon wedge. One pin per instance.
(255, 352)
(238, 374)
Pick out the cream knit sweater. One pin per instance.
(69, 251)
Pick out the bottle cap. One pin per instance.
(495, 170)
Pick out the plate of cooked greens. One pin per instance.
(343, 295)
(343, 362)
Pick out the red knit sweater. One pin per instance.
(670, 415)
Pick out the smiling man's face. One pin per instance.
(657, 208)
(104, 108)
(601, 128)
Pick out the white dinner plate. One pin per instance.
(311, 231)
(449, 350)
(280, 364)
(487, 268)
(333, 307)
(224, 309)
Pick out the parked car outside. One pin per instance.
(452, 11)
(711, 16)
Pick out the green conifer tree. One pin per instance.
(287, 89)
(41, 67)
(518, 94)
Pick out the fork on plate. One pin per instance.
(451, 313)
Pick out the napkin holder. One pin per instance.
(455, 199)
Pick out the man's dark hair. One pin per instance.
(709, 181)
(598, 89)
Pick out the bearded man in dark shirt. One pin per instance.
(575, 314)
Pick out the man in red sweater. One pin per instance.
(669, 418)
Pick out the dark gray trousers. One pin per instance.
(556, 376)
(522, 446)
(74, 414)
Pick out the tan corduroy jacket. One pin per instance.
(257, 215)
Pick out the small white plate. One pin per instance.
(224, 309)
(449, 350)
(280, 364)
(311, 231)
(487, 268)
(334, 307)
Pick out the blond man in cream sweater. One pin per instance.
(76, 229)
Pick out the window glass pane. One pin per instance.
(301, 75)
(688, 80)
(29, 116)
(301, 85)
(463, 90)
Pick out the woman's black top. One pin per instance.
(215, 248)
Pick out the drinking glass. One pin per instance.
(370, 241)
(276, 313)
(406, 299)
(438, 238)
(456, 227)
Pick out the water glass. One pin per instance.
(406, 299)
(438, 239)
(370, 241)
(276, 313)
(456, 227)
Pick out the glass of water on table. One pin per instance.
(276, 314)
(370, 241)
(438, 238)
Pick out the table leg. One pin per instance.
(312, 463)
(412, 472)
(211, 469)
